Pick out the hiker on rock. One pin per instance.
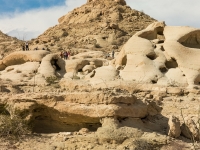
(61, 55)
(23, 47)
(69, 53)
(113, 54)
(27, 48)
(65, 55)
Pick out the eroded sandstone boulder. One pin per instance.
(174, 127)
(21, 57)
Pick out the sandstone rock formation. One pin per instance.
(99, 102)
(161, 54)
(101, 24)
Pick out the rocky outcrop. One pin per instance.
(182, 44)
(58, 113)
(21, 57)
(161, 54)
(99, 24)
(190, 130)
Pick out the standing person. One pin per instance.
(65, 55)
(61, 54)
(27, 48)
(113, 54)
(23, 47)
(69, 53)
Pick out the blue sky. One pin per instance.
(9, 6)
(26, 19)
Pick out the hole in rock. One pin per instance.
(54, 62)
(171, 64)
(124, 61)
(80, 70)
(161, 41)
(152, 55)
(49, 120)
(120, 119)
(160, 30)
(163, 69)
(153, 81)
(162, 48)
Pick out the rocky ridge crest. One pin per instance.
(104, 25)
(8, 44)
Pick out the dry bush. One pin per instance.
(51, 79)
(13, 128)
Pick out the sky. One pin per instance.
(27, 19)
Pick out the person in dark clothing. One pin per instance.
(27, 48)
(61, 55)
(23, 47)
(113, 54)
(65, 55)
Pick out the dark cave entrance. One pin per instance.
(54, 62)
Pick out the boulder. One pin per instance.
(138, 57)
(181, 44)
(21, 57)
(49, 65)
(190, 129)
(174, 127)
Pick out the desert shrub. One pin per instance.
(57, 86)
(51, 79)
(13, 128)
(18, 71)
(97, 45)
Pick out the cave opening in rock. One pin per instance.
(48, 120)
(163, 69)
(171, 63)
(191, 40)
(124, 60)
(54, 62)
(152, 56)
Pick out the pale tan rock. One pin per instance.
(47, 67)
(181, 45)
(151, 31)
(83, 131)
(24, 56)
(88, 68)
(190, 129)
(138, 66)
(20, 73)
(105, 73)
(174, 127)
(174, 90)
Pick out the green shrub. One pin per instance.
(51, 79)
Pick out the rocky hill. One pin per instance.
(101, 24)
(8, 44)
(144, 97)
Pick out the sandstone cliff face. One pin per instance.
(99, 24)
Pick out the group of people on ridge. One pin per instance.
(25, 46)
(65, 54)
